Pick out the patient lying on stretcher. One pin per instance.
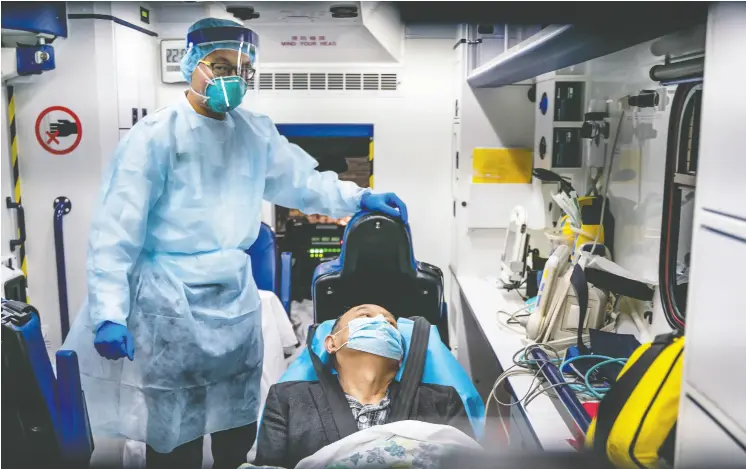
(366, 350)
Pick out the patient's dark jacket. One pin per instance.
(298, 421)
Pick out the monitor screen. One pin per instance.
(510, 240)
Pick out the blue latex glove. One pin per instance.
(114, 341)
(387, 204)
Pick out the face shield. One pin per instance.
(227, 83)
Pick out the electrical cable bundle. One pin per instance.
(585, 387)
(580, 383)
(521, 365)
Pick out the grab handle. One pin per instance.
(14, 243)
(62, 207)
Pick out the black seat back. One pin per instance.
(29, 417)
(377, 266)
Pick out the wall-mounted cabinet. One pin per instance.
(711, 430)
(137, 55)
(136, 66)
(559, 46)
(484, 119)
(703, 442)
(497, 38)
(558, 111)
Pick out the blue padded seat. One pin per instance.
(263, 255)
(44, 417)
(377, 266)
(441, 367)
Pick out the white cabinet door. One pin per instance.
(722, 165)
(149, 76)
(129, 63)
(702, 442)
(137, 74)
(456, 201)
(715, 315)
(459, 81)
(454, 314)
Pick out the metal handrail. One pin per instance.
(14, 243)
(62, 207)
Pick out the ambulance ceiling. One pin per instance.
(283, 13)
(309, 32)
(574, 12)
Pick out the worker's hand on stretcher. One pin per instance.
(388, 204)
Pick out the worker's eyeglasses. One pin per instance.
(227, 70)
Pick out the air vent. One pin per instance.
(265, 81)
(343, 11)
(243, 13)
(252, 83)
(352, 81)
(300, 81)
(318, 81)
(389, 81)
(370, 81)
(336, 81)
(282, 81)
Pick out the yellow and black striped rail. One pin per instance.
(16, 173)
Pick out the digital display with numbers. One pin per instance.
(174, 56)
(172, 51)
(330, 240)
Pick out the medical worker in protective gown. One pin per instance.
(170, 342)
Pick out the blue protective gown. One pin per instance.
(179, 205)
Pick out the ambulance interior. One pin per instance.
(577, 187)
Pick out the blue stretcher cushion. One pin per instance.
(264, 259)
(62, 395)
(441, 368)
(41, 366)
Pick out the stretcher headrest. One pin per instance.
(374, 242)
(441, 368)
(377, 266)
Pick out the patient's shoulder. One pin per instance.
(437, 391)
(293, 391)
(294, 387)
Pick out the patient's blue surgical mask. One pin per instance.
(375, 335)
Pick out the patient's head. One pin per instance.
(366, 336)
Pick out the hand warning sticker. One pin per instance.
(58, 130)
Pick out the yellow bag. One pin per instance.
(636, 422)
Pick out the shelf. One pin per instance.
(559, 46)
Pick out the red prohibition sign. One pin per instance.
(52, 136)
